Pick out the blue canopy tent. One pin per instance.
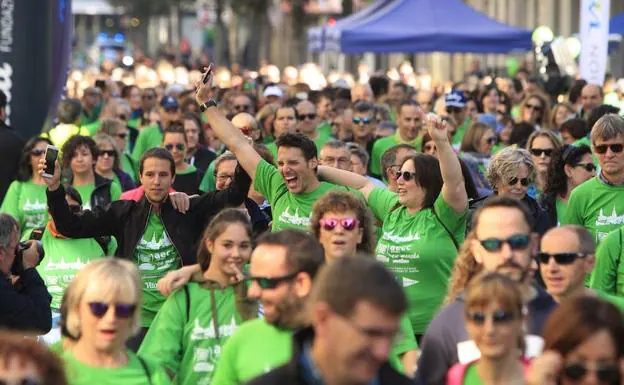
(616, 25)
(317, 35)
(427, 26)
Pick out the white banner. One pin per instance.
(594, 40)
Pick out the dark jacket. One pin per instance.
(446, 336)
(126, 220)
(202, 158)
(260, 221)
(125, 179)
(25, 306)
(101, 195)
(11, 146)
(541, 221)
(293, 373)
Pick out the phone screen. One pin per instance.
(50, 157)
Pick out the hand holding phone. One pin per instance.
(51, 154)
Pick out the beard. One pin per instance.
(511, 264)
(290, 312)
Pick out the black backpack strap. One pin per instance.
(446, 229)
(187, 294)
(146, 369)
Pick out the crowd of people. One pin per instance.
(278, 232)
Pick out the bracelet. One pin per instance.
(208, 104)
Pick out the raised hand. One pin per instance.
(437, 128)
(203, 88)
(54, 182)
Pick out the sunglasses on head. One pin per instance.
(498, 317)
(110, 153)
(348, 224)
(540, 151)
(533, 107)
(589, 167)
(407, 176)
(272, 283)
(37, 152)
(358, 120)
(515, 242)
(560, 258)
(606, 373)
(615, 148)
(178, 146)
(122, 310)
(21, 381)
(523, 181)
(307, 116)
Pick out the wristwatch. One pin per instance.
(208, 104)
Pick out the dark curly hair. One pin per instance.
(24, 169)
(75, 142)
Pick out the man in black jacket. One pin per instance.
(355, 308)
(10, 150)
(24, 299)
(151, 232)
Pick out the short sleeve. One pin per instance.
(11, 199)
(407, 342)
(115, 191)
(453, 220)
(268, 181)
(381, 202)
(604, 276)
(572, 215)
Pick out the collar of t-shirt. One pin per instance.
(397, 136)
(604, 180)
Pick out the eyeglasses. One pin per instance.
(407, 176)
(615, 148)
(533, 107)
(523, 181)
(37, 152)
(223, 178)
(358, 120)
(560, 258)
(589, 167)
(75, 209)
(272, 283)
(21, 381)
(606, 373)
(498, 317)
(241, 107)
(453, 110)
(306, 116)
(122, 116)
(122, 310)
(172, 110)
(515, 242)
(178, 146)
(122, 135)
(109, 153)
(348, 224)
(148, 97)
(539, 151)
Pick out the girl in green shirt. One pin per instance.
(423, 224)
(190, 329)
(26, 199)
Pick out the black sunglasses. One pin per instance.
(22, 381)
(122, 135)
(498, 317)
(110, 153)
(122, 310)
(589, 167)
(533, 107)
(148, 97)
(560, 258)
(171, 110)
(358, 120)
(178, 146)
(515, 242)
(241, 107)
(37, 152)
(407, 176)
(306, 116)
(540, 151)
(615, 148)
(524, 181)
(453, 110)
(492, 140)
(606, 373)
(272, 283)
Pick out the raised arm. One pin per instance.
(346, 178)
(453, 189)
(233, 139)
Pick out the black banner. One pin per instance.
(35, 48)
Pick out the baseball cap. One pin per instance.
(273, 91)
(169, 102)
(455, 98)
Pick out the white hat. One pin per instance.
(273, 91)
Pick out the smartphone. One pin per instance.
(50, 159)
(208, 72)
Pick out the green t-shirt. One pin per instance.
(209, 181)
(149, 137)
(190, 347)
(560, 206)
(92, 127)
(64, 258)
(608, 274)
(459, 133)
(155, 256)
(418, 250)
(130, 166)
(614, 300)
(471, 376)
(273, 148)
(28, 204)
(289, 210)
(86, 190)
(597, 206)
(381, 145)
(133, 373)
(586, 141)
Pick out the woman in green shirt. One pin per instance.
(26, 199)
(192, 326)
(423, 223)
(494, 319)
(102, 314)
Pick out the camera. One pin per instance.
(18, 263)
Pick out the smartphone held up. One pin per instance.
(51, 155)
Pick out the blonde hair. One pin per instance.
(105, 279)
(608, 127)
(505, 164)
(472, 137)
(553, 115)
(544, 121)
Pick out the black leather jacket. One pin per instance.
(127, 220)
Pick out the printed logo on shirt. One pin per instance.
(59, 274)
(294, 219)
(206, 357)
(208, 332)
(34, 213)
(613, 219)
(408, 282)
(401, 239)
(153, 251)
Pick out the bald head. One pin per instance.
(568, 239)
(247, 124)
(591, 97)
(362, 92)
